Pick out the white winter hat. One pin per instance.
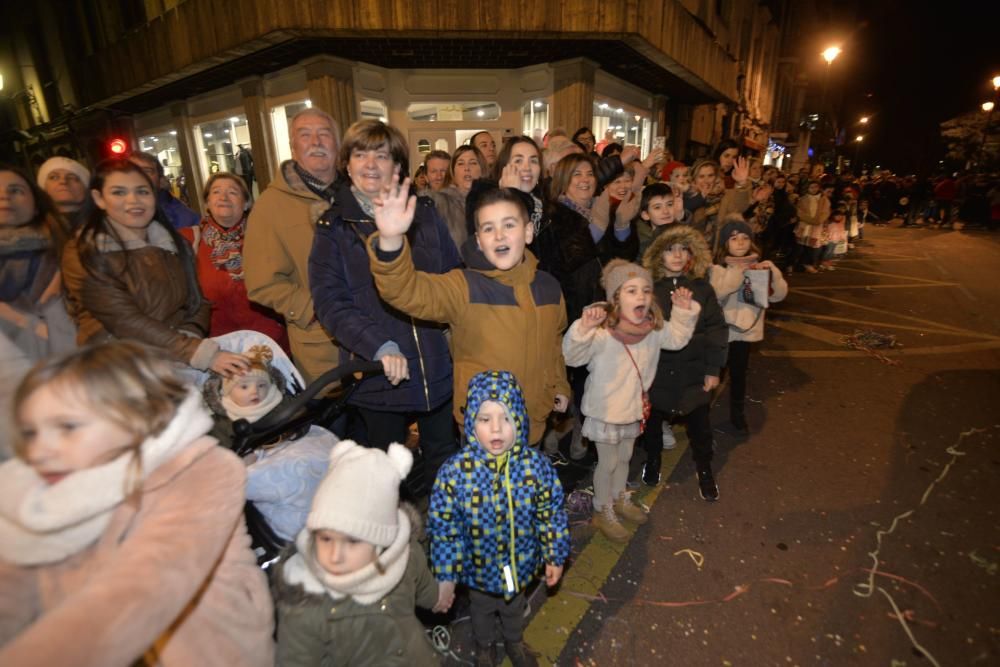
(69, 165)
(360, 494)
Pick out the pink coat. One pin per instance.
(173, 582)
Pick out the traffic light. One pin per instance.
(117, 147)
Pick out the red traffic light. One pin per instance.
(117, 146)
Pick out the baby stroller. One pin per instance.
(299, 422)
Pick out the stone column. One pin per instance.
(189, 154)
(330, 82)
(259, 126)
(572, 94)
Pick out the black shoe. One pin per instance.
(706, 485)
(651, 473)
(520, 655)
(739, 422)
(485, 656)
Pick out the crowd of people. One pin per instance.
(519, 301)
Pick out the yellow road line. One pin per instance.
(903, 352)
(809, 330)
(556, 620)
(889, 275)
(874, 287)
(888, 325)
(882, 311)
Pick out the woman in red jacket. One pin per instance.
(218, 248)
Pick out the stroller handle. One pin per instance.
(284, 413)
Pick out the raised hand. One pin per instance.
(509, 177)
(681, 298)
(655, 156)
(762, 193)
(593, 316)
(394, 210)
(741, 170)
(627, 210)
(629, 154)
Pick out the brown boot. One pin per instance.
(628, 510)
(607, 522)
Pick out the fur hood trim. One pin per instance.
(678, 233)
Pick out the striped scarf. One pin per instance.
(225, 246)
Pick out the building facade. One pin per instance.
(198, 82)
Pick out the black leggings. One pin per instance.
(699, 432)
(739, 360)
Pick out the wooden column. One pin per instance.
(572, 94)
(330, 82)
(189, 155)
(259, 126)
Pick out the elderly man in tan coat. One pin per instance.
(279, 238)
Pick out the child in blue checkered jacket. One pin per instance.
(496, 515)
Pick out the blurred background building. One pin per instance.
(197, 81)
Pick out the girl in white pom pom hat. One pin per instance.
(347, 596)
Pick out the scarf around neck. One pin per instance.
(252, 412)
(364, 202)
(631, 333)
(225, 246)
(42, 524)
(745, 262)
(366, 585)
(586, 212)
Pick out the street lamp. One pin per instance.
(987, 106)
(830, 54)
(859, 138)
(996, 82)
(864, 120)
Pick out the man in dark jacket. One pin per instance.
(679, 257)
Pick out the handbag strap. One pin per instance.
(634, 365)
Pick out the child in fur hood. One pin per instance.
(122, 539)
(346, 595)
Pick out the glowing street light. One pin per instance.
(987, 106)
(996, 82)
(830, 54)
(859, 138)
(864, 120)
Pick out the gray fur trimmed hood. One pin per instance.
(678, 233)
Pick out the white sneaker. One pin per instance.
(669, 441)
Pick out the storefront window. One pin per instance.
(164, 146)
(219, 141)
(622, 125)
(535, 119)
(374, 109)
(453, 111)
(281, 118)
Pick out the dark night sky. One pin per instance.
(922, 63)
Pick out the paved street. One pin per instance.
(854, 460)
